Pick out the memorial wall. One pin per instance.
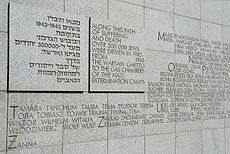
(115, 76)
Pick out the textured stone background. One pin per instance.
(198, 18)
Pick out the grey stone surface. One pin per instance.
(159, 97)
(56, 149)
(3, 61)
(122, 12)
(189, 142)
(157, 144)
(117, 61)
(137, 2)
(91, 8)
(190, 8)
(134, 145)
(3, 121)
(3, 15)
(96, 147)
(55, 5)
(213, 141)
(163, 5)
(227, 139)
(52, 55)
(156, 63)
(226, 13)
(155, 22)
(211, 11)
(186, 27)
(212, 32)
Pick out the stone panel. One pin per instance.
(137, 2)
(213, 141)
(190, 8)
(159, 27)
(158, 71)
(55, 5)
(227, 139)
(122, 12)
(3, 120)
(3, 15)
(211, 10)
(57, 149)
(116, 57)
(99, 147)
(163, 5)
(52, 55)
(90, 8)
(226, 13)
(126, 145)
(3, 61)
(160, 144)
(189, 142)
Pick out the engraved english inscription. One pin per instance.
(116, 58)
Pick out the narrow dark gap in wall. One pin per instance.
(125, 92)
(89, 54)
(8, 46)
(7, 88)
(66, 92)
